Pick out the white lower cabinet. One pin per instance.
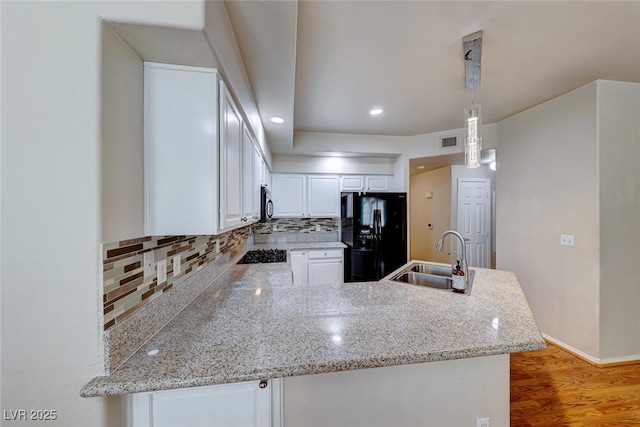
(299, 264)
(229, 405)
(317, 266)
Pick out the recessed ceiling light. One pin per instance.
(376, 111)
(277, 120)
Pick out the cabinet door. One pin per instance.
(289, 195)
(377, 183)
(325, 271)
(352, 183)
(299, 267)
(324, 196)
(180, 150)
(230, 161)
(258, 167)
(240, 404)
(248, 179)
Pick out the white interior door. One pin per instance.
(474, 219)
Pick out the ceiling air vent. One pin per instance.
(449, 142)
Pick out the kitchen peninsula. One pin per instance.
(252, 323)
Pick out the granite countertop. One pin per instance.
(252, 323)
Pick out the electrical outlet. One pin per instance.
(149, 265)
(318, 228)
(162, 271)
(483, 422)
(566, 240)
(177, 265)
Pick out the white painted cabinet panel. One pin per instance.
(299, 267)
(377, 183)
(249, 175)
(229, 405)
(230, 162)
(289, 195)
(352, 183)
(180, 149)
(323, 196)
(325, 266)
(365, 182)
(297, 196)
(317, 266)
(258, 173)
(323, 271)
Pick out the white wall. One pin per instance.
(547, 185)
(435, 211)
(619, 151)
(122, 140)
(335, 165)
(51, 223)
(217, 28)
(422, 394)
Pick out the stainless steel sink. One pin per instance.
(430, 275)
(432, 269)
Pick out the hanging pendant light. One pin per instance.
(472, 47)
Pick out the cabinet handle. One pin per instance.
(263, 384)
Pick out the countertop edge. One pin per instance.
(104, 386)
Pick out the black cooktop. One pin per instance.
(264, 256)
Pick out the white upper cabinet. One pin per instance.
(377, 183)
(352, 183)
(323, 196)
(202, 170)
(231, 161)
(180, 150)
(305, 196)
(365, 182)
(249, 174)
(289, 195)
(258, 174)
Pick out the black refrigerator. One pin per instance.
(374, 228)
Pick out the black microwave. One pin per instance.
(266, 204)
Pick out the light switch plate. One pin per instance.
(162, 271)
(566, 240)
(149, 265)
(483, 422)
(177, 265)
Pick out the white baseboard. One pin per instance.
(591, 359)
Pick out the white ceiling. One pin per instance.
(344, 57)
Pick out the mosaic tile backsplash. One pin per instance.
(301, 225)
(126, 290)
(297, 230)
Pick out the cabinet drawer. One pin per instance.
(325, 253)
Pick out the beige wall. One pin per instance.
(421, 394)
(619, 151)
(547, 185)
(51, 216)
(122, 140)
(435, 211)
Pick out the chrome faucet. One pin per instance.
(464, 251)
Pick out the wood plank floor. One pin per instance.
(552, 387)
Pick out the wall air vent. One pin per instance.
(448, 142)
